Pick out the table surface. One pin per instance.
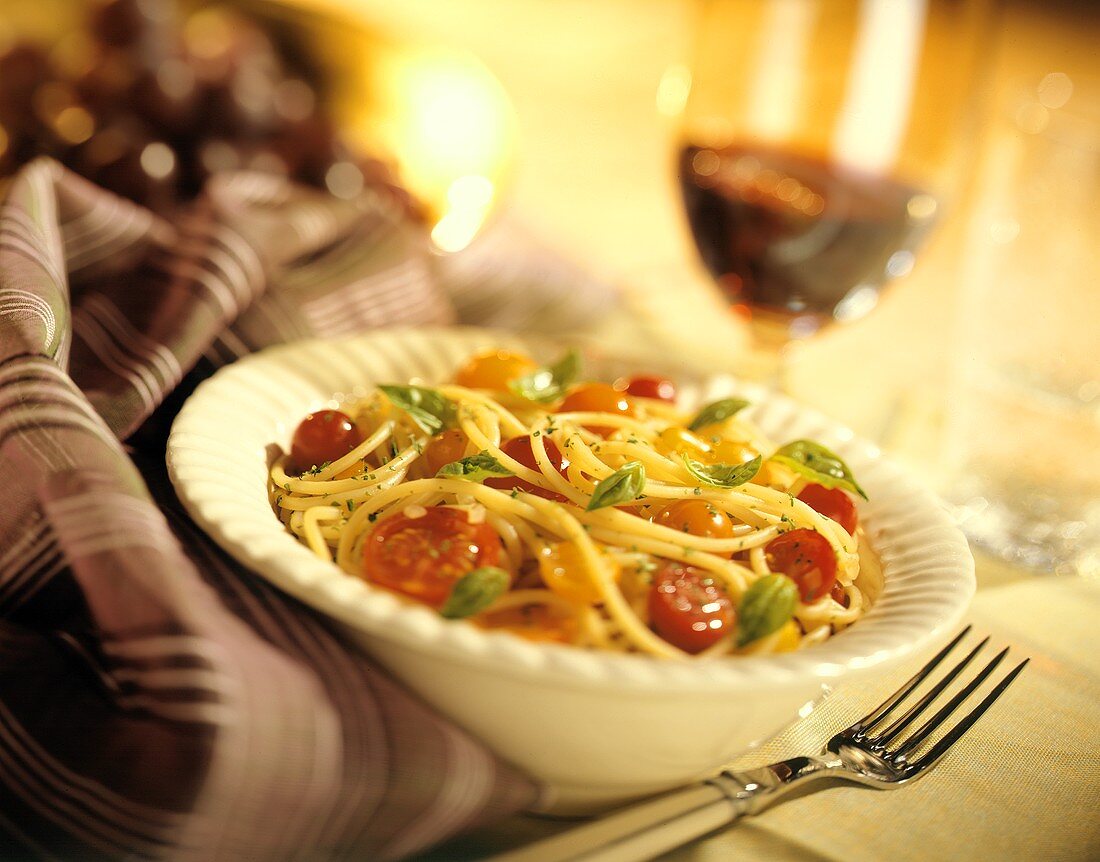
(593, 178)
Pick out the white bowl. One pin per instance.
(596, 728)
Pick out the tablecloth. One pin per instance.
(1024, 784)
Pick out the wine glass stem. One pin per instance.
(771, 356)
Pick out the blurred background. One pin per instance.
(554, 128)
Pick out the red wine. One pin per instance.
(795, 238)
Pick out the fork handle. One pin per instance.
(648, 829)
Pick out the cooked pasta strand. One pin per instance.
(602, 595)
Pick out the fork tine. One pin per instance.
(887, 736)
(910, 744)
(883, 709)
(940, 748)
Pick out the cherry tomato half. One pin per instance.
(688, 609)
(675, 441)
(519, 448)
(321, 437)
(832, 503)
(443, 449)
(494, 369)
(697, 517)
(596, 398)
(533, 622)
(648, 386)
(805, 557)
(731, 452)
(839, 595)
(562, 570)
(424, 557)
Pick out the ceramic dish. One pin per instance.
(595, 727)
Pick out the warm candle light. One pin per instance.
(469, 199)
(451, 125)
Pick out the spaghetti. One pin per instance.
(596, 515)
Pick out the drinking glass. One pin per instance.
(820, 141)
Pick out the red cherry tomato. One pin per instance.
(832, 503)
(648, 386)
(519, 448)
(424, 557)
(688, 609)
(839, 595)
(596, 398)
(805, 557)
(321, 437)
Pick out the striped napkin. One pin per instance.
(156, 700)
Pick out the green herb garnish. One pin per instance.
(622, 486)
(550, 382)
(716, 411)
(474, 592)
(818, 464)
(765, 607)
(474, 468)
(429, 409)
(723, 475)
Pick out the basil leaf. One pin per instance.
(717, 411)
(816, 462)
(474, 468)
(549, 383)
(622, 486)
(474, 592)
(723, 475)
(765, 607)
(426, 407)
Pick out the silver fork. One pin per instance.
(874, 751)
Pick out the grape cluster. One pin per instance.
(148, 103)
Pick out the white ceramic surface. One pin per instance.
(597, 728)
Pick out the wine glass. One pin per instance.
(820, 141)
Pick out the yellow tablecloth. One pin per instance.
(1024, 784)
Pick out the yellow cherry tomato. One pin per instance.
(372, 413)
(444, 448)
(563, 571)
(731, 452)
(533, 622)
(697, 517)
(789, 636)
(635, 583)
(494, 369)
(595, 398)
(675, 441)
(352, 472)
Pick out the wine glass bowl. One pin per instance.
(819, 143)
(793, 242)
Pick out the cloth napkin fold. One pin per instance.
(157, 700)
